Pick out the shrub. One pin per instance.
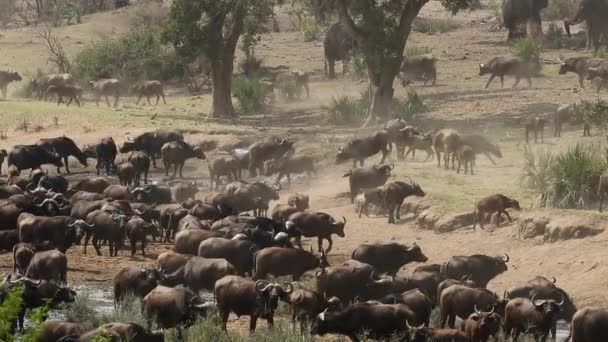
(568, 180)
(601, 52)
(495, 7)
(136, 55)
(250, 94)
(251, 65)
(559, 10)
(433, 25)
(417, 51)
(554, 37)
(128, 309)
(346, 110)
(357, 67)
(527, 49)
(310, 29)
(409, 108)
(594, 112)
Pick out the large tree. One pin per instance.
(213, 28)
(381, 32)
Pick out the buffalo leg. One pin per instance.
(107, 100)
(384, 155)
(174, 170)
(181, 170)
(96, 246)
(407, 153)
(67, 167)
(398, 209)
(252, 323)
(224, 313)
(133, 247)
(458, 169)
(490, 81)
(150, 103)
(502, 81)
(508, 216)
(535, 136)
(299, 242)
(480, 218)
(146, 177)
(414, 153)
(138, 99)
(438, 158)
(270, 322)
(331, 243)
(289, 180)
(601, 199)
(163, 95)
(116, 100)
(517, 79)
(77, 101)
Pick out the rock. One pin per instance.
(453, 222)
(415, 205)
(555, 226)
(426, 220)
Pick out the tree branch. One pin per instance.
(349, 24)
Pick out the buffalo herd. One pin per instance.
(217, 248)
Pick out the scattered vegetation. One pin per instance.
(593, 112)
(407, 109)
(9, 312)
(558, 10)
(250, 94)
(568, 180)
(495, 6)
(23, 125)
(310, 29)
(601, 52)
(435, 25)
(413, 51)
(527, 48)
(251, 65)
(128, 310)
(289, 89)
(357, 68)
(136, 55)
(347, 110)
(556, 39)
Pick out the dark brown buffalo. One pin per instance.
(461, 301)
(447, 141)
(256, 299)
(6, 77)
(450, 282)
(296, 203)
(222, 166)
(176, 153)
(394, 195)
(493, 204)
(287, 165)
(121, 331)
(535, 316)
(184, 190)
(48, 265)
(481, 145)
(93, 184)
(367, 178)
(40, 84)
(117, 192)
(24, 157)
(153, 194)
(317, 224)
(509, 66)
(600, 72)
(393, 129)
(61, 231)
(388, 256)
(53, 330)
(305, 304)
(589, 324)
(480, 325)
(580, 66)
(8, 239)
(138, 281)
(149, 89)
(376, 321)
(152, 142)
(9, 214)
(420, 304)
(171, 261)
(172, 307)
(286, 261)
(359, 149)
(266, 149)
(544, 288)
(126, 174)
(106, 87)
(108, 226)
(336, 47)
(200, 273)
(137, 229)
(419, 68)
(23, 253)
(141, 163)
(74, 93)
(536, 124)
(239, 253)
(345, 282)
(64, 147)
(187, 241)
(424, 333)
(104, 152)
(479, 268)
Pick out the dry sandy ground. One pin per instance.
(458, 100)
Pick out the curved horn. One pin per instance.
(554, 280)
(562, 301)
(507, 258)
(263, 284)
(477, 310)
(492, 311)
(277, 186)
(344, 218)
(407, 325)
(289, 288)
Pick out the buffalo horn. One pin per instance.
(554, 280)
(407, 324)
(477, 310)
(537, 302)
(260, 285)
(392, 167)
(344, 218)
(506, 258)
(277, 187)
(322, 315)
(289, 288)
(562, 301)
(492, 311)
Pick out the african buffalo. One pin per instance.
(388, 256)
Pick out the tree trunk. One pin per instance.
(380, 101)
(221, 73)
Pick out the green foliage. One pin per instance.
(434, 25)
(250, 94)
(568, 180)
(136, 55)
(495, 6)
(37, 318)
(413, 51)
(357, 67)
(128, 309)
(455, 6)
(527, 48)
(594, 112)
(601, 52)
(409, 108)
(9, 312)
(251, 65)
(558, 10)
(310, 29)
(346, 110)
(554, 37)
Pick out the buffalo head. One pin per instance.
(128, 146)
(153, 274)
(417, 190)
(342, 156)
(269, 295)
(299, 201)
(484, 69)
(76, 230)
(48, 207)
(500, 263)
(549, 307)
(417, 334)
(14, 76)
(384, 170)
(338, 227)
(323, 323)
(414, 253)
(564, 68)
(199, 153)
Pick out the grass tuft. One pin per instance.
(434, 25)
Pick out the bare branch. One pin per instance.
(45, 32)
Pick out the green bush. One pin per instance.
(357, 67)
(310, 29)
(558, 10)
(250, 94)
(433, 25)
(495, 6)
(409, 108)
(251, 65)
(346, 110)
(601, 52)
(413, 51)
(554, 37)
(568, 180)
(128, 309)
(594, 112)
(527, 48)
(134, 56)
